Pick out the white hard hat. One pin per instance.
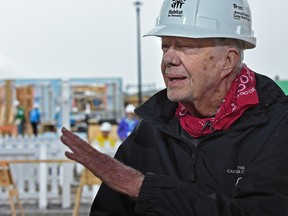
(130, 108)
(36, 105)
(105, 127)
(74, 109)
(16, 103)
(206, 19)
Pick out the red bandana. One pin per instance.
(241, 96)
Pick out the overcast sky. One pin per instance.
(93, 38)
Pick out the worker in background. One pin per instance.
(19, 118)
(128, 123)
(105, 141)
(35, 118)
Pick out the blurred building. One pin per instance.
(93, 99)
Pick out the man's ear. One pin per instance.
(232, 57)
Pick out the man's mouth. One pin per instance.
(176, 78)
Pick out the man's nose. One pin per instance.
(171, 57)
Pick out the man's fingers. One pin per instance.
(70, 155)
(81, 150)
(73, 137)
(65, 140)
(70, 143)
(69, 134)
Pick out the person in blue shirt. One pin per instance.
(128, 123)
(35, 118)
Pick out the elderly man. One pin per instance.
(215, 141)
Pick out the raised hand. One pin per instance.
(116, 175)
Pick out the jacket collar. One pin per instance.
(160, 112)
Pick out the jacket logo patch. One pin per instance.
(238, 170)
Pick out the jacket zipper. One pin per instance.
(193, 175)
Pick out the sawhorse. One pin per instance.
(6, 180)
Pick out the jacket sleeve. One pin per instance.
(109, 203)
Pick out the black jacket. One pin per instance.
(240, 171)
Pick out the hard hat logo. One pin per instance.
(175, 13)
(177, 4)
(240, 14)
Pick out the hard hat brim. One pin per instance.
(195, 32)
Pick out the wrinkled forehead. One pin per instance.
(202, 42)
